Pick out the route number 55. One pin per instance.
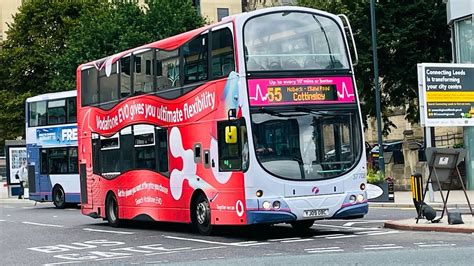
(274, 94)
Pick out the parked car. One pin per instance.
(396, 148)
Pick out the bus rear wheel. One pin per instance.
(302, 226)
(201, 215)
(59, 197)
(112, 210)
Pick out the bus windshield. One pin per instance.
(285, 41)
(307, 144)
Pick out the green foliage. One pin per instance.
(48, 40)
(408, 32)
(374, 176)
(459, 145)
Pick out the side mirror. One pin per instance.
(231, 114)
(230, 134)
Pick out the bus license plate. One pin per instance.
(316, 213)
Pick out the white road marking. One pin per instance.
(2, 221)
(323, 250)
(364, 222)
(108, 231)
(197, 249)
(379, 245)
(309, 249)
(272, 254)
(344, 236)
(238, 244)
(384, 233)
(345, 227)
(165, 252)
(297, 240)
(60, 263)
(436, 245)
(382, 246)
(55, 216)
(282, 239)
(47, 225)
(365, 233)
(323, 236)
(122, 257)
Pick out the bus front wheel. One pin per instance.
(59, 197)
(201, 215)
(112, 210)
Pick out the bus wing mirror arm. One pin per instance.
(232, 114)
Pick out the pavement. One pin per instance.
(457, 202)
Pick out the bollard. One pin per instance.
(417, 192)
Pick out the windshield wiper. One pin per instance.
(275, 113)
(313, 112)
(331, 56)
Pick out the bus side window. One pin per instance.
(144, 141)
(126, 148)
(44, 161)
(95, 153)
(89, 86)
(71, 110)
(162, 150)
(167, 70)
(222, 53)
(195, 54)
(125, 76)
(56, 112)
(231, 151)
(143, 79)
(108, 91)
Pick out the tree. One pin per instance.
(48, 40)
(102, 30)
(408, 33)
(166, 18)
(35, 40)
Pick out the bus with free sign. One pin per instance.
(51, 147)
(253, 120)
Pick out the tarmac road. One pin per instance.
(41, 234)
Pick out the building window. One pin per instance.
(464, 40)
(222, 13)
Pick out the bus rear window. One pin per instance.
(89, 87)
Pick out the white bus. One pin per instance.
(51, 143)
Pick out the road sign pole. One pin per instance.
(469, 146)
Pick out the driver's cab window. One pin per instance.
(233, 145)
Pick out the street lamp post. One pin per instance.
(377, 87)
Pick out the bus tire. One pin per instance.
(59, 197)
(302, 226)
(112, 210)
(201, 215)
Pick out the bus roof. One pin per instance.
(176, 41)
(52, 96)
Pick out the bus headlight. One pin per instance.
(266, 205)
(276, 205)
(352, 198)
(360, 198)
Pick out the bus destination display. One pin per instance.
(300, 91)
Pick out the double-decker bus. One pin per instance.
(51, 146)
(253, 120)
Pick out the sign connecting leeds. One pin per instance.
(446, 94)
